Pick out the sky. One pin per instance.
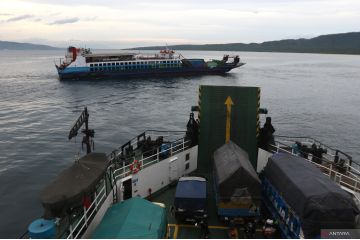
(132, 23)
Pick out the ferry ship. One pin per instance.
(249, 172)
(80, 63)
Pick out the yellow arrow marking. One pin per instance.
(176, 232)
(228, 104)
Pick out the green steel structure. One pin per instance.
(221, 117)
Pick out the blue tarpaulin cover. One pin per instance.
(191, 189)
(191, 193)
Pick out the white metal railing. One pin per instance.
(340, 178)
(84, 221)
(353, 168)
(175, 148)
(149, 133)
(329, 155)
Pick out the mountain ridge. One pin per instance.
(339, 43)
(7, 45)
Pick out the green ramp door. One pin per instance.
(227, 112)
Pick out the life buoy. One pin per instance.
(135, 166)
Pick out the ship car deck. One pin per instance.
(218, 229)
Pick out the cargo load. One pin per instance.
(73, 184)
(304, 198)
(238, 187)
(133, 218)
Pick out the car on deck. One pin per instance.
(191, 199)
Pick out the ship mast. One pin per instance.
(89, 133)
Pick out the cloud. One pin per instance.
(19, 18)
(90, 19)
(65, 21)
(5, 14)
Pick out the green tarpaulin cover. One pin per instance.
(133, 218)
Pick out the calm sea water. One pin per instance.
(306, 94)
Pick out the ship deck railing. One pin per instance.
(177, 146)
(75, 230)
(170, 136)
(79, 226)
(331, 154)
(346, 176)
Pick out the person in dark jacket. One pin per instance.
(266, 137)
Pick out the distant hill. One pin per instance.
(342, 43)
(24, 46)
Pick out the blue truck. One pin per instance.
(191, 199)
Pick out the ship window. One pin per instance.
(91, 65)
(126, 63)
(113, 64)
(121, 63)
(109, 64)
(187, 157)
(117, 64)
(96, 65)
(187, 166)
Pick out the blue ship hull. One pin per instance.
(84, 73)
